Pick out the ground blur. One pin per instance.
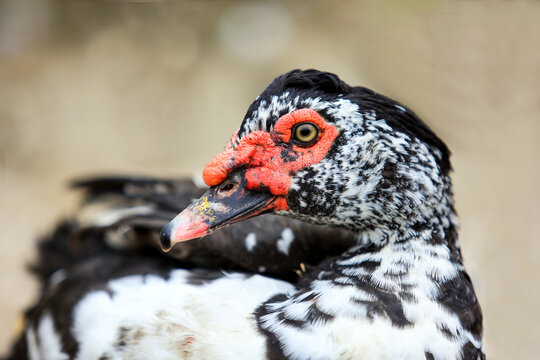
(157, 88)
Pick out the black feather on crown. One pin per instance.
(312, 79)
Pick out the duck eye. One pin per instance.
(305, 133)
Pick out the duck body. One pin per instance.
(114, 236)
(311, 148)
(138, 316)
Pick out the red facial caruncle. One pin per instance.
(270, 158)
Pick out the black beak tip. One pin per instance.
(165, 237)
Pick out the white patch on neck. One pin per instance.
(283, 244)
(250, 241)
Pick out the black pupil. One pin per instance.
(305, 130)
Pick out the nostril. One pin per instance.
(227, 188)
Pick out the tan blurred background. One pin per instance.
(157, 88)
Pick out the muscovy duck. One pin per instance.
(315, 149)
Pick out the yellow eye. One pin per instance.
(305, 133)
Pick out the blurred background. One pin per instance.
(157, 89)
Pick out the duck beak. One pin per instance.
(221, 205)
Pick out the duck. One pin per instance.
(357, 175)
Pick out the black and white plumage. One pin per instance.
(374, 171)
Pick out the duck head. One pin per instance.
(316, 149)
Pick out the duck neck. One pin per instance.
(439, 230)
(428, 250)
(436, 238)
(434, 222)
(394, 276)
